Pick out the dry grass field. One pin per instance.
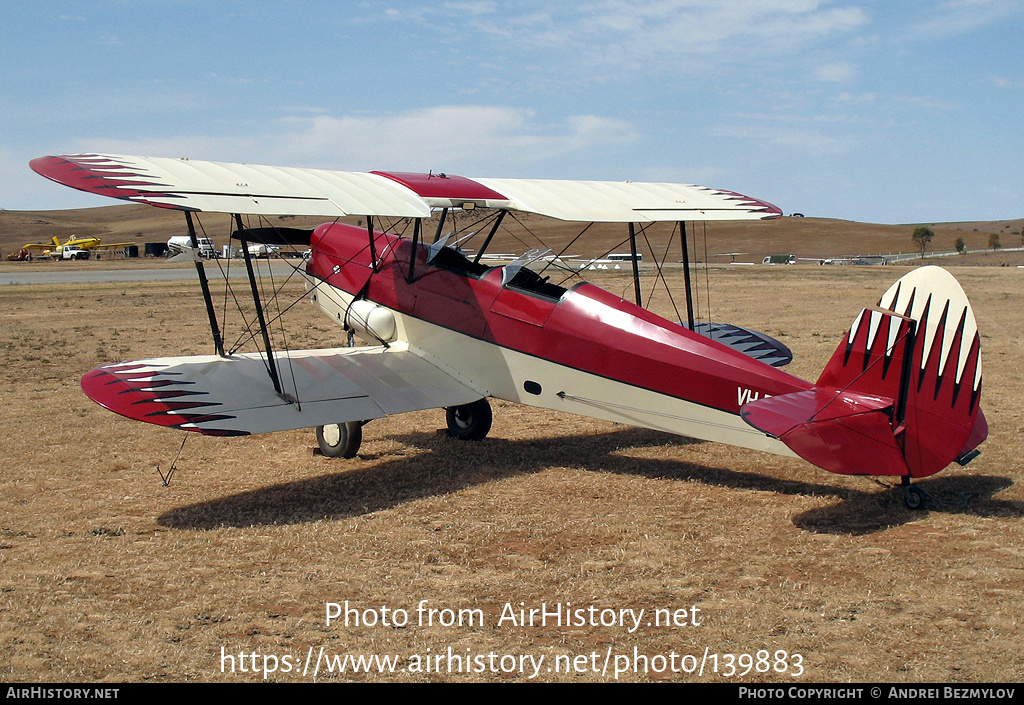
(108, 575)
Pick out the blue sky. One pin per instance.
(867, 110)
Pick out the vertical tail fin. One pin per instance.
(940, 407)
(900, 395)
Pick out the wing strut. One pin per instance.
(490, 235)
(218, 342)
(373, 246)
(636, 266)
(415, 243)
(271, 365)
(440, 224)
(686, 274)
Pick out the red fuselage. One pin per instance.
(584, 328)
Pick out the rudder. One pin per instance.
(900, 395)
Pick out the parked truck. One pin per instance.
(68, 252)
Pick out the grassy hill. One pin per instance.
(803, 237)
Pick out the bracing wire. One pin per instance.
(661, 273)
(695, 289)
(527, 229)
(576, 273)
(707, 271)
(166, 479)
(228, 289)
(558, 257)
(276, 300)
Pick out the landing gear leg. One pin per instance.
(469, 422)
(340, 440)
(913, 496)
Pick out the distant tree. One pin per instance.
(961, 246)
(921, 237)
(993, 241)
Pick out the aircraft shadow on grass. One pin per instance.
(452, 465)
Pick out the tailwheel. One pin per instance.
(914, 497)
(469, 422)
(340, 440)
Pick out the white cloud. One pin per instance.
(923, 102)
(474, 8)
(838, 72)
(856, 98)
(803, 140)
(1000, 81)
(615, 36)
(485, 140)
(445, 138)
(725, 27)
(960, 16)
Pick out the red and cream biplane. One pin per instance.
(900, 396)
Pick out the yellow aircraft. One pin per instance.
(75, 245)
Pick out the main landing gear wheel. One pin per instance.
(469, 422)
(340, 440)
(914, 497)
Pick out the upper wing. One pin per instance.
(232, 396)
(628, 201)
(267, 190)
(231, 188)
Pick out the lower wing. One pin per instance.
(234, 395)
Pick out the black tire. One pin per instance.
(914, 497)
(340, 440)
(469, 422)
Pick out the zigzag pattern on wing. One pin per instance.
(148, 393)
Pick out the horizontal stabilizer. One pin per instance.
(843, 432)
(234, 395)
(749, 342)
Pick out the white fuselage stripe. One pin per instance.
(504, 373)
